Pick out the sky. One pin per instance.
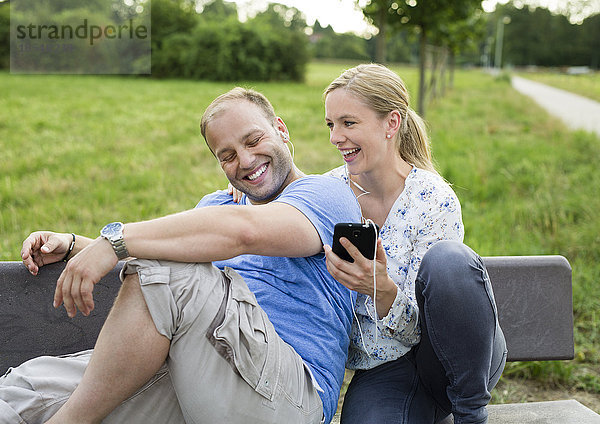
(345, 16)
(342, 15)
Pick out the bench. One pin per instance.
(533, 295)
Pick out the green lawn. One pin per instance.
(587, 85)
(80, 151)
(528, 186)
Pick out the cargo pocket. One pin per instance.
(8, 414)
(243, 335)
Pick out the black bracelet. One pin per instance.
(65, 259)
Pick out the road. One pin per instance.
(577, 112)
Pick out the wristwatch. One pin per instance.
(113, 232)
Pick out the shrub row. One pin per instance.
(231, 51)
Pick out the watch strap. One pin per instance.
(120, 248)
(113, 232)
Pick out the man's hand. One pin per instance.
(44, 247)
(76, 283)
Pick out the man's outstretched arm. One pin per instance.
(199, 235)
(221, 232)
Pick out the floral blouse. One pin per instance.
(425, 212)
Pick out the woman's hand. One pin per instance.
(237, 195)
(358, 275)
(44, 247)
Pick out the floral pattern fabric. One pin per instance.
(426, 212)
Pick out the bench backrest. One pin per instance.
(29, 324)
(533, 294)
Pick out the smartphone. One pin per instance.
(363, 236)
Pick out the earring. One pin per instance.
(388, 136)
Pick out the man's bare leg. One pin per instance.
(129, 351)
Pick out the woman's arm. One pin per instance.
(443, 221)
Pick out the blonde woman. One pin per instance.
(425, 341)
(430, 345)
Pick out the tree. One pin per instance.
(278, 15)
(219, 10)
(459, 37)
(537, 37)
(591, 39)
(170, 17)
(377, 12)
(4, 35)
(400, 47)
(326, 43)
(577, 10)
(285, 27)
(426, 17)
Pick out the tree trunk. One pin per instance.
(422, 44)
(380, 52)
(452, 65)
(434, 57)
(443, 67)
(437, 61)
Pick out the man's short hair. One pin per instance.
(237, 93)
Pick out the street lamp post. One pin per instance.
(499, 39)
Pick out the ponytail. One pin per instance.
(413, 143)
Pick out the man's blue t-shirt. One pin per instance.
(309, 309)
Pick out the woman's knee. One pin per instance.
(449, 263)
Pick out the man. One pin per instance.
(265, 344)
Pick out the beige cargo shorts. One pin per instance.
(226, 363)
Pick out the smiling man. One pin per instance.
(228, 314)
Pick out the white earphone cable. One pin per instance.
(376, 317)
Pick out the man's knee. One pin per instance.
(173, 292)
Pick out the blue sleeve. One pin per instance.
(324, 200)
(217, 198)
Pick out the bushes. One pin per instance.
(228, 50)
(211, 45)
(331, 45)
(232, 51)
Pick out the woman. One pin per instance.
(430, 345)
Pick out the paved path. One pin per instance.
(575, 111)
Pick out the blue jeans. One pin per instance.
(460, 357)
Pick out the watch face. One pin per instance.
(111, 230)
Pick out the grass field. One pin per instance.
(587, 85)
(80, 151)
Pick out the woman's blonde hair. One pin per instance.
(383, 91)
